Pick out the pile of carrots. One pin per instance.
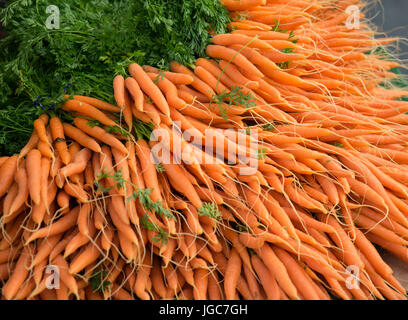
(329, 190)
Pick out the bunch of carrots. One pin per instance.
(330, 186)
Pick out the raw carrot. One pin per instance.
(147, 85)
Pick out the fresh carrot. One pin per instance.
(18, 275)
(96, 103)
(87, 110)
(58, 136)
(63, 224)
(33, 166)
(7, 172)
(100, 134)
(221, 52)
(148, 87)
(232, 273)
(80, 137)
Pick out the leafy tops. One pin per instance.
(97, 39)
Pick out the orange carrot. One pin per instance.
(87, 110)
(100, 134)
(96, 103)
(33, 166)
(147, 85)
(7, 172)
(80, 137)
(57, 131)
(232, 273)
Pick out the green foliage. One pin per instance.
(98, 281)
(241, 17)
(269, 127)
(144, 198)
(234, 97)
(287, 50)
(210, 209)
(159, 167)
(261, 153)
(161, 235)
(276, 27)
(96, 40)
(117, 130)
(142, 129)
(283, 65)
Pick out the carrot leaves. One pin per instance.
(95, 40)
(235, 97)
(210, 210)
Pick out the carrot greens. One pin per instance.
(95, 41)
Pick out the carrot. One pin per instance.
(45, 173)
(117, 212)
(127, 111)
(31, 144)
(87, 110)
(300, 279)
(100, 134)
(253, 283)
(175, 78)
(378, 229)
(43, 251)
(45, 207)
(233, 72)
(66, 277)
(134, 90)
(169, 90)
(204, 93)
(119, 91)
(33, 166)
(232, 273)
(148, 169)
(96, 103)
(221, 52)
(147, 85)
(7, 172)
(268, 282)
(2, 160)
(277, 268)
(261, 211)
(201, 284)
(181, 184)
(39, 126)
(9, 198)
(10, 254)
(232, 5)
(210, 80)
(11, 233)
(248, 25)
(18, 275)
(22, 195)
(234, 38)
(83, 217)
(57, 131)
(80, 137)
(61, 225)
(82, 260)
(214, 289)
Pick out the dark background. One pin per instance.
(391, 17)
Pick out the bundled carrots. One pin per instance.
(326, 184)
